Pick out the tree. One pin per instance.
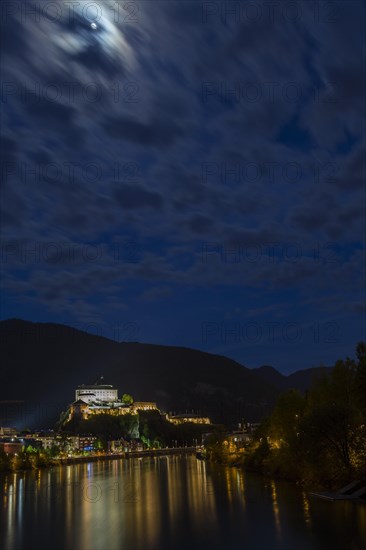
(343, 383)
(361, 352)
(216, 445)
(53, 451)
(5, 462)
(286, 416)
(127, 399)
(330, 432)
(320, 438)
(360, 378)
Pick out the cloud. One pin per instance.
(170, 133)
(156, 294)
(200, 224)
(94, 59)
(156, 133)
(135, 197)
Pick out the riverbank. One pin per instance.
(243, 460)
(129, 454)
(35, 462)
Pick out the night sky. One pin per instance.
(187, 173)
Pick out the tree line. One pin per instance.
(318, 438)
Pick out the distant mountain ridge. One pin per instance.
(43, 363)
(300, 379)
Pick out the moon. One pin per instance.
(94, 26)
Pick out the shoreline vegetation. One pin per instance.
(317, 440)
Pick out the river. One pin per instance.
(168, 503)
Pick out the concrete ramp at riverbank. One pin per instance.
(353, 491)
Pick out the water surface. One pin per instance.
(169, 503)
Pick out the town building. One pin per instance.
(6, 430)
(48, 442)
(10, 447)
(85, 443)
(240, 437)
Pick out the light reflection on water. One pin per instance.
(167, 503)
(276, 510)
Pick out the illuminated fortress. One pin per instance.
(97, 392)
(101, 398)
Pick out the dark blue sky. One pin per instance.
(187, 173)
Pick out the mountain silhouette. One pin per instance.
(43, 363)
